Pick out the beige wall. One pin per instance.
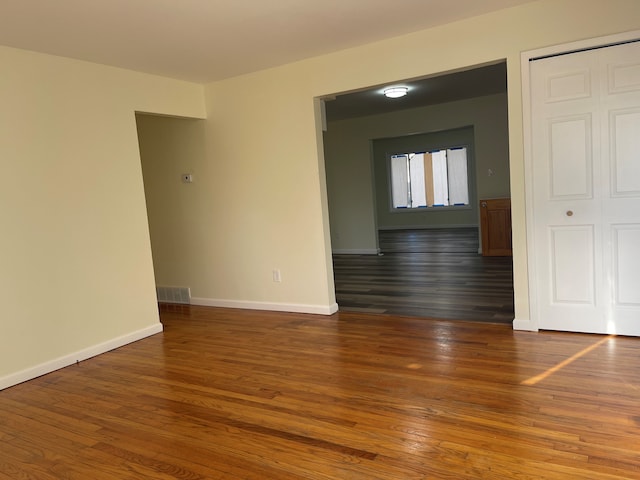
(247, 211)
(266, 191)
(348, 158)
(170, 147)
(262, 138)
(76, 273)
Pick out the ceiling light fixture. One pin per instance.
(395, 92)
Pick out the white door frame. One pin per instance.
(525, 59)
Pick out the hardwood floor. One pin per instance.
(229, 394)
(427, 273)
(431, 240)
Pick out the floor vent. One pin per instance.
(174, 295)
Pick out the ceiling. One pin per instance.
(470, 83)
(208, 40)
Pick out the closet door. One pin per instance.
(586, 189)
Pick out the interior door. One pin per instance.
(586, 189)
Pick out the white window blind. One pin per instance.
(458, 188)
(434, 179)
(418, 191)
(400, 181)
(440, 184)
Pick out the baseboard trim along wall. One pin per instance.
(356, 251)
(428, 227)
(276, 307)
(70, 359)
(524, 325)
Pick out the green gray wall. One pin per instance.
(387, 218)
(351, 178)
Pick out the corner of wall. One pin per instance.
(61, 362)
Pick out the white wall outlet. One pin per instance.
(276, 276)
(187, 178)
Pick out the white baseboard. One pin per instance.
(276, 307)
(356, 251)
(70, 359)
(428, 227)
(524, 325)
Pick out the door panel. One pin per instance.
(623, 76)
(571, 162)
(626, 241)
(569, 85)
(586, 190)
(572, 266)
(625, 150)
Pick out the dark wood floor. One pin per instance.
(230, 394)
(427, 273)
(430, 240)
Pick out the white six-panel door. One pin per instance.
(585, 110)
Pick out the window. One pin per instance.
(430, 179)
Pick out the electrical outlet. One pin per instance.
(276, 276)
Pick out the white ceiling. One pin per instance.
(207, 40)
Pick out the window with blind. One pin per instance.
(429, 179)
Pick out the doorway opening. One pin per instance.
(364, 223)
(172, 154)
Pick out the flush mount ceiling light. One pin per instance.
(395, 92)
